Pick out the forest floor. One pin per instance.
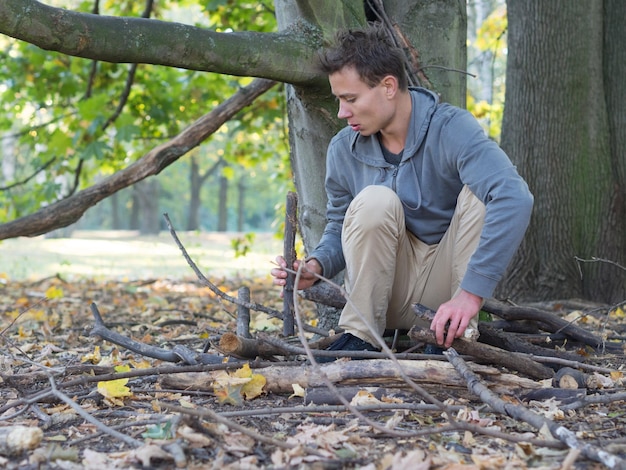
(83, 402)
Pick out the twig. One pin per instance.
(334, 409)
(87, 417)
(289, 253)
(594, 399)
(537, 421)
(202, 278)
(177, 354)
(208, 413)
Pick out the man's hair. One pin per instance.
(369, 51)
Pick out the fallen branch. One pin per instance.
(177, 354)
(280, 379)
(490, 354)
(509, 342)
(528, 416)
(549, 322)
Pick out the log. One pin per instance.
(324, 293)
(509, 342)
(569, 378)
(490, 354)
(549, 322)
(370, 373)
(232, 345)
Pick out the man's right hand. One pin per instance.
(307, 275)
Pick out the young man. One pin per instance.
(422, 206)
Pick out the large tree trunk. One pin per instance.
(557, 129)
(313, 111)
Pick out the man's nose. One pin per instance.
(343, 112)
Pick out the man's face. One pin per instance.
(367, 110)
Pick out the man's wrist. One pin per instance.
(313, 265)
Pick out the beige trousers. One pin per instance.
(388, 268)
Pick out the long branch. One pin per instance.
(528, 416)
(69, 210)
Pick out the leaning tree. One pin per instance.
(433, 33)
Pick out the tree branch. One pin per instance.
(69, 210)
(141, 40)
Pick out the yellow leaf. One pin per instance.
(54, 292)
(230, 388)
(114, 389)
(244, 372)
(298, 391)
(254, 388)
(93, 357)
(618, 313)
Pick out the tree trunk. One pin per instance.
(556, 129)
(222, 218)
(443, 57)
(313, 111)
(195, 185)
(241, 204)
(148, 198)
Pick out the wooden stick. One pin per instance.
(238, 346)
(490, 354)
(243, 312)
(528, 416)
(289, 253)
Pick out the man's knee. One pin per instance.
(374, 205)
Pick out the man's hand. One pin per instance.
(458, 312)
(307, 275)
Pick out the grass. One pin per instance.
(127, 255)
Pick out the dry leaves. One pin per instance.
(45, 330)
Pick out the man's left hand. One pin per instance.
(456, 314)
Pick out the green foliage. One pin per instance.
(242, 245)
(60, 113)
(489, 49)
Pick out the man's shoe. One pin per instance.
(432, 349)
(346, 342)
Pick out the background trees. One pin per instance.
(563, 123)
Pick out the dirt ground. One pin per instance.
(83, 402)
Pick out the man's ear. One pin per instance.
(390, 83)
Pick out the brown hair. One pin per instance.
(369, 51)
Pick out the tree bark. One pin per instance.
(557, 130)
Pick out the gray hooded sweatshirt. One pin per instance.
(446, 148)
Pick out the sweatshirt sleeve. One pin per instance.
(487, 171)
(329, 252)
